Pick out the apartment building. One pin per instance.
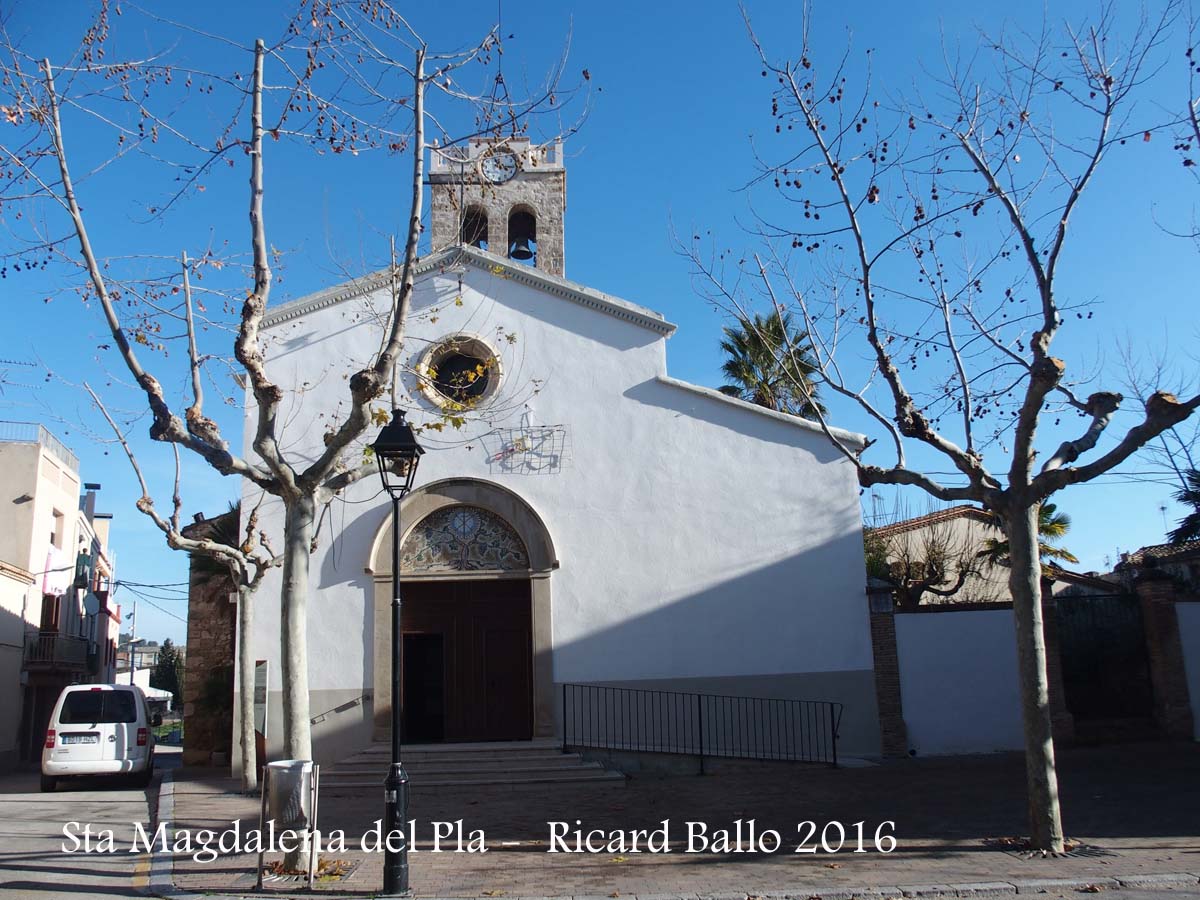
(57, 624)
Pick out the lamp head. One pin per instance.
(397, 454)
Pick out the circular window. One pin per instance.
(459, 372)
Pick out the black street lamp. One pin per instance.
(397, 453)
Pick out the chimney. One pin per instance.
(89, 499)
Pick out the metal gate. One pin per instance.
(1102, 644)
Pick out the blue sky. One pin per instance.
(676, 96)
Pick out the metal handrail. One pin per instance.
(714, 725)
(36, 433)
(342, 707)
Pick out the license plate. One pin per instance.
(81, 739)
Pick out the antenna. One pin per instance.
(500, 93)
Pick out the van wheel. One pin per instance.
(48, 784)
(143, 779)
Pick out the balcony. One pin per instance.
(33, 433)
(49, 652)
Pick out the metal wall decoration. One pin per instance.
(528, 450)
(463, 539)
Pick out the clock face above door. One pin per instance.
(499, 166)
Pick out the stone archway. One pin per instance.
(508, 557)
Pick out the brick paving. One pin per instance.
(1138, 806)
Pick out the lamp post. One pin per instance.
(131, 647)
(397, 453)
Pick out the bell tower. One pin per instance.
(503, 195)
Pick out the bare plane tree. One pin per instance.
(920, 242)
(349, 78)
(248, 563)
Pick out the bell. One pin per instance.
(520, 249)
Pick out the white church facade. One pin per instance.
(579, 517)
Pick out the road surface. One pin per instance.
(32, 862)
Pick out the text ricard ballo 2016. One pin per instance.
(739, 836)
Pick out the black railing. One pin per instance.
(760, 728)
(49, 650)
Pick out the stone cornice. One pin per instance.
(854, 440)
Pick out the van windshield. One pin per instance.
(86, 707)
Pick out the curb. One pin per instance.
(162, 864)
(162, 885)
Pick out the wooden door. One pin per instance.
(485, 652)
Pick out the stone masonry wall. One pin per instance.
(543, 193)
(892, 730)
(1157, 593)
(208, 689)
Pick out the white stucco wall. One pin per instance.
(1189, 633)
(958, 681)
(696, 537)
(14, 600)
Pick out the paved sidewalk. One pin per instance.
(1136, 808)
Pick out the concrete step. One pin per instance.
(462, 751)
(488, 764)
(500, 765)
(461, 762)
(352, 784)
(429, 771)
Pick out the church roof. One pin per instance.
(480, 259)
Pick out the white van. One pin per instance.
(100, 729)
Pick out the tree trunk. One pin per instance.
(249, 745)
(297, 738)
(297, 537)
(1024, 583)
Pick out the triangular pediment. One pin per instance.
(464, 255)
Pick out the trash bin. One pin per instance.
(290, 790)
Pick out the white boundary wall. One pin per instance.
(958, 681)
(1189, 635)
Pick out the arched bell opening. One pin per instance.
(475, 227)
(522, 235)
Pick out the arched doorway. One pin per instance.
(475, 568)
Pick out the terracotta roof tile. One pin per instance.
(1162, 551)
(933, 518)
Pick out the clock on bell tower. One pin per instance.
(503, 195)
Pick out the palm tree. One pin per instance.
(769, 365)
(1052, 527)
(1189, 525)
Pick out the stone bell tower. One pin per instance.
(503, 195)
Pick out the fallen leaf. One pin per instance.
(619, 859)
(833, 865)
